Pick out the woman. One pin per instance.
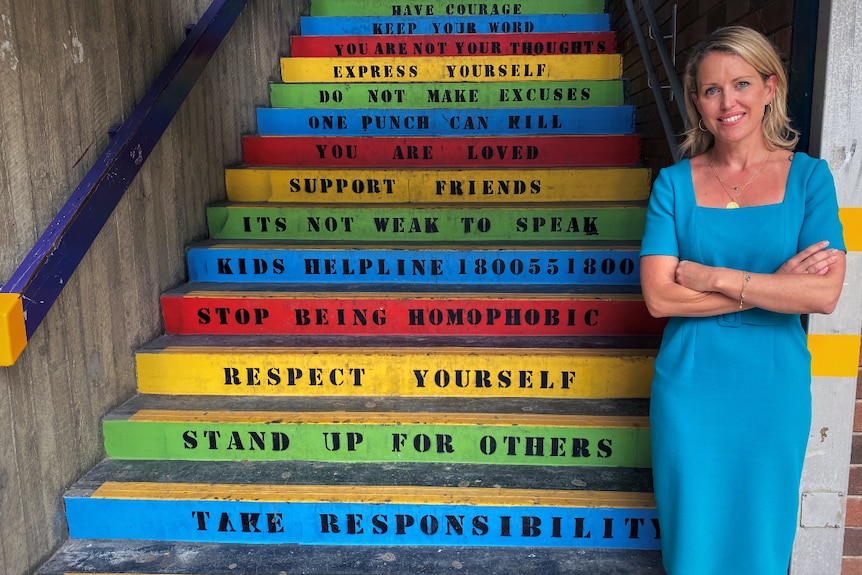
(741, 237)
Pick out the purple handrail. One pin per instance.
(45, 271)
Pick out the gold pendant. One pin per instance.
(731, 205)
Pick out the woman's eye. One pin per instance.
(744, 84)
(711, 91)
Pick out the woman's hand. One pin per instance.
(694, 276)
(815, 259)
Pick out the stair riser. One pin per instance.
(570, 445)
(418, 224)
(447, 7)
(498, 267)
(382, 152)
(445, 122)
(582, 43)
(379, 372)
(523, 24)
(361, 524)
(449, 95)
(225, 314)
(453, 69)
(480, 187)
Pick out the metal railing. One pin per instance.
(668, 62)
(37, 283)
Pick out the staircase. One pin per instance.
(414, 342)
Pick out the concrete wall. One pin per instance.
(69, 71)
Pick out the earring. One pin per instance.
(700, 126)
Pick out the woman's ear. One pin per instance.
(771, 86)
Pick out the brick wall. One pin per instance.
(852, 564)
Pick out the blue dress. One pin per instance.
(730, 404)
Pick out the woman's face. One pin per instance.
(731, 97)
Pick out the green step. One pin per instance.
(419, 95)
(450, 8)
(414, 223)
(226, 429)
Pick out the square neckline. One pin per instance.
(693, 195)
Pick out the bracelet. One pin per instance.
(745, 279)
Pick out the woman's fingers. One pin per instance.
(809, 260)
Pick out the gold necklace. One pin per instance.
(738, 189)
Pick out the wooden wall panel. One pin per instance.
(69, 71)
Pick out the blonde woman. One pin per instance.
(741, 238)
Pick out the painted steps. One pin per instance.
(386, 430)
(436, 185)
(395, 366)
(443, 7)
(409, 223)
(330, 504)
(417, 152)
(413, 342)
(461, 95)
(199, 309)
(466, 24)
(417, 45)
(510, 264)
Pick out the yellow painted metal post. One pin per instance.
(13, 333)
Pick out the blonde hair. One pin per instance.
(759, 52)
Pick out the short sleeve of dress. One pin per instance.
(660, 234)
(821, 210)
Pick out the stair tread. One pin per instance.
(423, 206)
(492, 246)
(607, 346)
(399, 474)
(559, 293)
(410, 407)
(144, 557)
(598, 292)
